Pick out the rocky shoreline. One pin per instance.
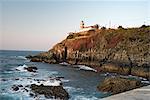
(49, 91)
(117, 85)
(122, 51)
(120, 82)
(51, 88)
(106, 67)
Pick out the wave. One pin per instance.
(22, 57)
(146, 82)
(50, 82)
(64, 80)
(73, 89)
(70, 89)
(52, 73)
(83, 67)
(21, 68)
(45, 82)
(18, 57)
(53, 82)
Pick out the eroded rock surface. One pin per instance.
(126, 49)
(31, 69)
(117, 85)
(57, 92)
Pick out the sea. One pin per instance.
(80, 84)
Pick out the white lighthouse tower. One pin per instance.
(81, 25)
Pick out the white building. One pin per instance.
(87, 28)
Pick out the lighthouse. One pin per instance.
(87, 28)
(81, 25)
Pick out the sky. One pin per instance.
(40, 24)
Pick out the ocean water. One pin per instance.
(80, 84)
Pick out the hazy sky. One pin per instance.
(39, 24)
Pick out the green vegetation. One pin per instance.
(71, 36)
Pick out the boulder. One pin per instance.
(116, 85)
(16, 78)
(31, 94)
(36, 59)
(29, 56)
(57, 92)
(20, 85)
(3, 79)
(31, 69)
(15, 88)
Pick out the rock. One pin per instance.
(31, 69)
(58, 92)
(20, 85)
(26, 89)
(27, 86)
(16, 78)
(3, 89)
(15, 88)
(59, 77)
(3, 79)
(36, 60)
(126, 48)
(117, 85)
(31, 94)
(29, 78)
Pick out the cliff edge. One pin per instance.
(122, 50)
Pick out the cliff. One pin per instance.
(122, 50)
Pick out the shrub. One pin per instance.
(120, 27)
(103, 28)
(97, 26)
(70, 36)
(144, 26)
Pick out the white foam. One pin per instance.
(52, 83)
(64, 80)
(21, 68)
(70, 89)
(64, 63)
(141, 78)
(22, 57)
(48, 82)
(147, 82)
(83, 67)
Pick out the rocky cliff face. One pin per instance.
(120, 47)
(116, 85)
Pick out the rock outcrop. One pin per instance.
(116, 85)
(15, 88)
(55, 92)
(126, 50)
(31, 69)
